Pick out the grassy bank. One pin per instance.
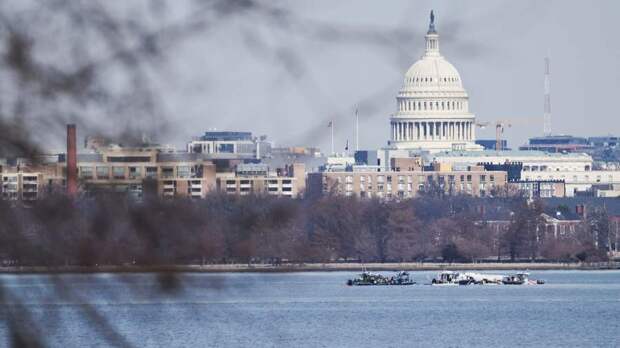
(312, 267)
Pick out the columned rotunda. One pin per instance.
(433, 107)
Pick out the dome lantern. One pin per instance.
(432, 38)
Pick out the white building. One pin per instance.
(575, 169)
(533, 161)
(432, 106)
(230, 144)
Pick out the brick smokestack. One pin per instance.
(71, 161)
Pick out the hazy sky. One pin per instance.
(287, 78)
(289, 83)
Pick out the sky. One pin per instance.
(287, 75)
(497, 46)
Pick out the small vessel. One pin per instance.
(402, 278)
(446, 278)
(522, 278)
(368, 278)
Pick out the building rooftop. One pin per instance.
(511, 153)
(226, 136)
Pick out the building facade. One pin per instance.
(407, 184)
(227, 144)
(258, 179)
(127, 169)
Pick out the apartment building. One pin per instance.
(22, 186)
(22, 180)
(127, 169)
(407, 184)
(258, 179)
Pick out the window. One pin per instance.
(167, 172)
(226, 148)
(103, 173)
(134, 172)
(118, 172)
(183, 171)
(491, 178)
(483, 178)
(86, 172)
(151, 172)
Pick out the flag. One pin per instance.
(346, 147)
(330, 124)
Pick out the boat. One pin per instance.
(447, 278)
(522, 278)
(368, 278)
(402, 278)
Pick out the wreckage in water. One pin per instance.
(368, 278)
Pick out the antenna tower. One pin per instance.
(547, 112)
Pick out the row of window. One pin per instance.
(250, 182)
(544, 168)
(411, 105)
(430, 79)
(367, 191)
(575, 178)
(105, 172)
(421, 178)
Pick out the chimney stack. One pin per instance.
(71, 161)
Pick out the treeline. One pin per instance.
(112, 230)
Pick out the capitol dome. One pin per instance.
(433, 73)
(433, 106)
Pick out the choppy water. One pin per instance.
(574, 308)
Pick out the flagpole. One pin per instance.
(357, 131)
(332, 127)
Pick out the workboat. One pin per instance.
(522, 278)
(368, 278)
(446, 278)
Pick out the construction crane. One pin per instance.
(499, 130)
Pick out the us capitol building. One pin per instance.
(432, 106)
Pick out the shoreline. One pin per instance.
(309, 267)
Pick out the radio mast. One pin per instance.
(547, 111)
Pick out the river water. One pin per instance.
(574, 308)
